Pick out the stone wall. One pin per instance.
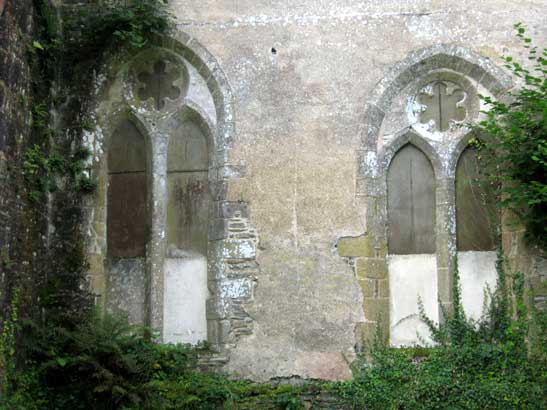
(303, 106)
(302, 75)
(16, 228)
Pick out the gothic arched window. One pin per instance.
(411, 203)
(476, 214)
(411, 243)
(127, 193)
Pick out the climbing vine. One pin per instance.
(69, 49)
(7, 343)
(515, 141)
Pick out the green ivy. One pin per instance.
(515, 142)
(70, 48)
(8, 344)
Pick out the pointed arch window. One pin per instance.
(127, 224)
(476, 212)
(411, 203)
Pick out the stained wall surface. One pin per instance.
(185, 267)
(301, 74)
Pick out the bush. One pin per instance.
(104, 363)
(107, 364)
(515, 143)
(475, 364)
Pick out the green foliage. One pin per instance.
(8, 344)
(44, 172)
(70, 48)
(116, 24)
(102, 363)
(515, 142)
(475, 364)
(106, 364)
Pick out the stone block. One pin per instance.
(538, 285)
(368, 287)
(366, 333)
(444, 284)
(238, 249)
(211, 310)
(382, 288)
(98, 284)
(377, 309)
(356, 246)
(218, 229)
(444, 258)
(361, 246)
(234, 209)
(241, 288)
(96, 264)
(218, 189)
(371, 268)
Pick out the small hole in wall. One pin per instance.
(273, 50)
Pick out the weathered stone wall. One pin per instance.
(16, 26)
(302, 74)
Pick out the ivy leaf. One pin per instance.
(36, 44)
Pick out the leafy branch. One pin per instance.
(516, 142)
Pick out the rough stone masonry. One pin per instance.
(254, 197)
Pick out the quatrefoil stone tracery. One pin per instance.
(440, 104)
(159, 84)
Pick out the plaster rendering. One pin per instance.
(412, 280)
(293, 114)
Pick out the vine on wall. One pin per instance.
(515, 147)
(69, 46)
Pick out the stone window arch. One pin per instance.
(175, 97)
(127, 217)
(411, 203)
(127, 192)
(411, 215)
(477, 222)
(425, 99)
(476, 213)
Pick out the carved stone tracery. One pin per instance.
(158, 84)
(441, 104)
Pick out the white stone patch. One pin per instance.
(185, 295)
(371, 163)
(239, 249)
(412, 277)
(477, 272)
(236, 289)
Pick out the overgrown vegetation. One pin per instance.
(92, 362)
(7, 344)
(105, 364)
(475, 364)
(69, 50)
(515, 143)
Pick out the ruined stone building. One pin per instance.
(281, 178)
